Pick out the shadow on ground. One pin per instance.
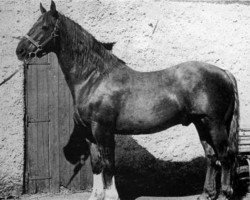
(139, 173)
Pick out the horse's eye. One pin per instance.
(45, 28)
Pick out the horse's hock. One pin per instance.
(150, 35)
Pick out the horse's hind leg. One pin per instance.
(209, 190)
(219, 139)
(226, 158)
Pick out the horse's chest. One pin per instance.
(99, 108)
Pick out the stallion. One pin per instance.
(111, 98)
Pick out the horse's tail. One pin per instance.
(234, 123)
(239, 188)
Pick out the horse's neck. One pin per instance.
(81, 63)
(71, 74)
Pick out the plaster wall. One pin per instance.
(149, 35)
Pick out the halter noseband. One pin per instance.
(41, 46)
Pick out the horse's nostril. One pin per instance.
(20, 51)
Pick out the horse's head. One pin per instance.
(42, 38)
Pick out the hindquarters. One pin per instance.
(214, 109)
(212, 96)
(204, 90)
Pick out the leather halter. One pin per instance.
(39, 47)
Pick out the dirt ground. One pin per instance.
(84, 196)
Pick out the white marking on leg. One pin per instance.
(98, 188)
(111, 191)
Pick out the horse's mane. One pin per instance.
(87, 50)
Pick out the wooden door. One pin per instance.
(49, 123)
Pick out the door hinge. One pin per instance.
(30, 121)
(37, 121)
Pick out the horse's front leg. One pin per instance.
(97, 165)
(103, 164)
(109, 171)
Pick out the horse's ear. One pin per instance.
(53, 8)
(42, 9)
(109, 46)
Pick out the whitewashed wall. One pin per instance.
(150, 35)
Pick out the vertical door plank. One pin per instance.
(26, 152)
(76, 182)
(46, 133)
(53, 126)
(86, 176)
(32, 161)
(63, 120)
(42, 125)
(31, 128)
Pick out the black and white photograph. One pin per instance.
(125, 99)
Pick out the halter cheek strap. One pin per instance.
(33, 41)
(41, 46)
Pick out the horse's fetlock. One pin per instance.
(210, 192)
(97, 166)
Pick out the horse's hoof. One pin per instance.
(204, 196)
(96, 198)
(111, 195)
(112, 198)
(222, 197)
(97, 195)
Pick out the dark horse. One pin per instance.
(111, 98)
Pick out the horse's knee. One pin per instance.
(108, 155)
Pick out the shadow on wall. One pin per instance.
(139, 173)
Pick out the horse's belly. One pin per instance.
(146, 117)
(141, 126)
(135, 129)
